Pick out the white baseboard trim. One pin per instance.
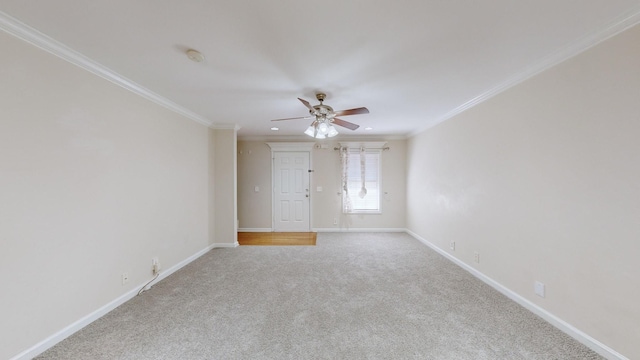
(255, 230)
(567, 328)
(226, 245)
(47, 343)
(378, 230)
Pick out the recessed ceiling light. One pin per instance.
(368, 128)
(195, 55)
(275, 128)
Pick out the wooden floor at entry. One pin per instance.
(276, 238)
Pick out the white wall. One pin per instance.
(254, 169)
(543, 181)
(94, 182)
(224, 180)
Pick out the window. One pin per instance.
(360, 180)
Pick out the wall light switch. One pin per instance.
(319, 189)
(256, 189)
(538, 288)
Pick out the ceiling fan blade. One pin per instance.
(306, 103)
(346, 124)
(295, 118)
(356, 111)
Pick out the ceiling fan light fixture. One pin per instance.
(310, 131)
(323, 128)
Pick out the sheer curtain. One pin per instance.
(363, 160)
(344, 160)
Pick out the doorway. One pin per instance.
(291, 195)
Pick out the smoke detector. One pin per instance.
(195, 55)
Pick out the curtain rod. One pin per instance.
(383, 148)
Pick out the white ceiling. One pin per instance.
(412, 63)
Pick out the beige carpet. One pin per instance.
(353, 296)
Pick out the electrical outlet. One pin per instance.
(476, 257)
(538, 288)
(155, 265)
(125, 278)
(452, 245)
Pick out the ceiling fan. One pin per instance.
(325, 117)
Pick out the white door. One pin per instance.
(291, 191)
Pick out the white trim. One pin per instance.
(291, 146)
(226, 245)
(376, 230)
(562, 325)
(23, 31)
(273, 138)
(368, 145)
(340, 137)
(47, 343)
(255, 230)
(588, 41)
(225, 126)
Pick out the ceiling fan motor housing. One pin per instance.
(322, 110)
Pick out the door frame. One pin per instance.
(290, 147)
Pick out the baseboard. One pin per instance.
(47, 343)
(255, 230)
(380, 230)
(226, 245)
(565, 327)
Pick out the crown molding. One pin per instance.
(26, 33)
(337, 138)
(273, 138)
(291, 146)
(618, 25)
(222, 126)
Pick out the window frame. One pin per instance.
(371, 148)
